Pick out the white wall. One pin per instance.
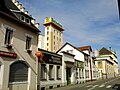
(78, 55)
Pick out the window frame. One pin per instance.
(30, 46)
(51, 72)
(58, 72)
(5, 27)
(43, 72)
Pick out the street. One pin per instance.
(106, 84)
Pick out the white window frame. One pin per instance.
(28, 35)
(28, 20)
(21, 18)
(58, 72)
(1, 74)
(43, 73)
(10, 28)
(51, 73)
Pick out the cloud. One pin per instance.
(86, 22)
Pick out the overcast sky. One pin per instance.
(86, 22)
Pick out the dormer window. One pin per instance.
(27, 20)
(23, 18)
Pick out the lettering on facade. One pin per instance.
(51, 59)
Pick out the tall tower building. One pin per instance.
(53, 34)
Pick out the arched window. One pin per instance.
(18, 72)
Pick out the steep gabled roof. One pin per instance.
(71, 46)
(7, 7)
(105, 51)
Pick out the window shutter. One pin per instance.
(18, 72)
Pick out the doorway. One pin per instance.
(68, 75)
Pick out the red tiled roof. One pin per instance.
(85, 48)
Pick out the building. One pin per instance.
(91, 70)
(18, 44)
(106, 62)
(50, 69)
(74, 63)
(53, 35)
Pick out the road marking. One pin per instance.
(93, 87)
(109, 86)
(102, 85)
(89, 85)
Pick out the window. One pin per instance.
(47, 44)
(99, 64)
(47, 38)
(8, 37)
(18, 72)
(80, 73)
(27, 20)
(58, 73)
(28, 42)
(22, 18)
(47, 32)
(47, 28)
(43, 71)
(51, 72)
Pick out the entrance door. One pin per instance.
(68, 75)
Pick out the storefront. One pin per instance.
(50, 69)
(14, 73)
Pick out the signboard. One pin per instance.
(80, 64)
(51, 59)
(8, 54)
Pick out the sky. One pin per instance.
(85, 22)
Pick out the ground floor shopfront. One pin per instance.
(50, 70)
(16, 73)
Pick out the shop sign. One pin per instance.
(8, 54)
(51, 59)
(80, 64)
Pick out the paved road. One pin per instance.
(106, 84)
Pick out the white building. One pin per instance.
(18, 44)
(91, 71)
(73, 64)
(50, 69)
(53, 34)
